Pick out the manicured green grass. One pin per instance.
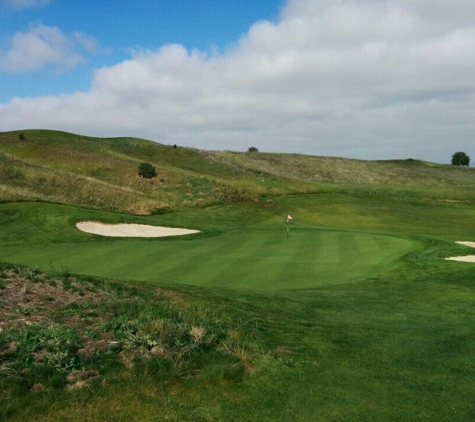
(239, 247)
(400, 216)
(261, 256)
(253, 258)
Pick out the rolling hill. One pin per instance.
(101, 173)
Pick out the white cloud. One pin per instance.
(45, 46)
(364, 79)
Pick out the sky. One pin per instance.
(364, 79)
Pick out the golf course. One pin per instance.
(350, 311)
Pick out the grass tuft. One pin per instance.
(66, 340)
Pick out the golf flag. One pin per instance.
(288, 219)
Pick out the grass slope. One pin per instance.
(342, 338)
(403, 176)
(101, 173)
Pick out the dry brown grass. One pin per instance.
(102, 174)
(344, 170)
(28, 299)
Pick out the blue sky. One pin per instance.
(365, 79)
(120, 26)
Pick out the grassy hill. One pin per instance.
(102, 174)
(352, 315)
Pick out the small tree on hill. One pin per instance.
(147, 170)
(460, 159)
(252, 149)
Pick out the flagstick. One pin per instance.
(287, 228)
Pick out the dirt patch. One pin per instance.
(131, 230)
(30, 301)
(48, 320)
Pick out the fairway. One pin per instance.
(257, 257)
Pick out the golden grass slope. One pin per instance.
(101, 173)
(345, 170)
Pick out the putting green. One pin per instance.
(257, 257)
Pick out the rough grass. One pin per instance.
(342, 170)
(61, 334)
(102, 174)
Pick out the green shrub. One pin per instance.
(460, 159)
(147, 170)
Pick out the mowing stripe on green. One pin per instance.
(253, 258)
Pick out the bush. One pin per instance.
(147, 170)
(460, 159)
(252, 149)
(21, 136)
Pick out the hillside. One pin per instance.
(101, 173)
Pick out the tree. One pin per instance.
(460, 159)
(147, 170)
(252, 149)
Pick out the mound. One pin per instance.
(130, 230)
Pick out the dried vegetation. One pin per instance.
(61, 331)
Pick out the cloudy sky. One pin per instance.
(368, 79)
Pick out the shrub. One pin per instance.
(21, 136)
(252, 149)
(460, 159)
(147, 170)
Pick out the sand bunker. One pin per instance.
(467, 258)
(130, 230)
(470, 244)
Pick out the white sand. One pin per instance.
(467, 258)
(130, 230)
(470, 244)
